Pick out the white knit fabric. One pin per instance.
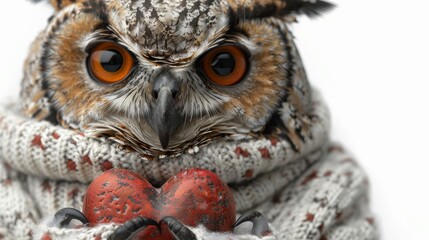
(317, 193)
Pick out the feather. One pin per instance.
(273, 8)
(60, 4)
(310, 8)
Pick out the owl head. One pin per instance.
(163, 76)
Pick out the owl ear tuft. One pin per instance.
(276, 8)
(310, 8)
(59, 4)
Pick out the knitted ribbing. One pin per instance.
(328, 201)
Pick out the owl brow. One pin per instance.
(236, 30)
(101, 36)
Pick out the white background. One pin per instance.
(370, 60)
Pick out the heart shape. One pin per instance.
(194, 197)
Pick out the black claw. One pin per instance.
(260, 223)
(132, 226)
(64, 216)
(180, 231)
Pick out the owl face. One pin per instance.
(164, 76)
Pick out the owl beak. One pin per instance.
(165, 118)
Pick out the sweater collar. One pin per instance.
(47, 151)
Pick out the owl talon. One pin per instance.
(180, 231)
(64, 216)
(130, 227)
(260, 223)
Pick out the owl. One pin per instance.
(165, 77)
(162, 77)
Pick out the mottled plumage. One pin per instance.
(170, 38)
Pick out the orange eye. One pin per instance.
(225, 65)
(109, 62)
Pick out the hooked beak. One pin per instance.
(165, 118)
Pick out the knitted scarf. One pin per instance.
(317, 192)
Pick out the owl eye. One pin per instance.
(225, 65)
(109, 62)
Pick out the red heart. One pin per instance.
(194, 197)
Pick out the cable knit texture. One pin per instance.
(317, 193)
